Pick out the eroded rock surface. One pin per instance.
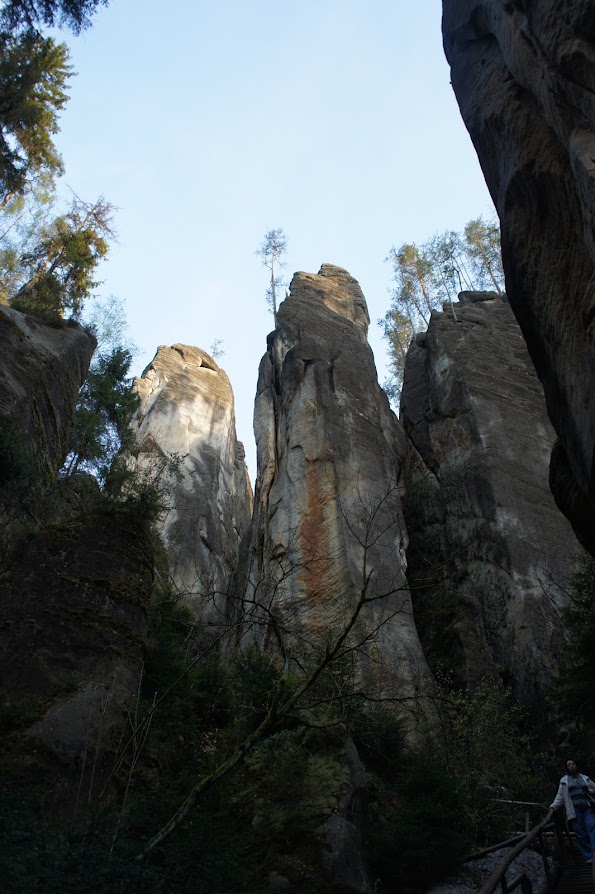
(74, 593)
(43, 366)
(327, 510)
(186, 413)
(489, 549)
(524, 77)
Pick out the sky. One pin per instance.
(207, 123)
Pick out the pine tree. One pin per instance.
(428, 276)
(271, 251)
(57, 272)
(106, 403)
(33, 74)
(31, 14)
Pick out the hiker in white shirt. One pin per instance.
(572, 793)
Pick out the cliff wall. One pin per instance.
(43, 366)
(489, 550)
(75, 575)
(524, 77)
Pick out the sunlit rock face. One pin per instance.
(489, 549)
(328, 520)
(43, 366)
(524, 77)
(186, 414)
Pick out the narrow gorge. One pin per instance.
(379, 551)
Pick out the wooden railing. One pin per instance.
(522, 881)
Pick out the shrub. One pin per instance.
(418, 835)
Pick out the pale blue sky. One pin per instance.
(209, 123)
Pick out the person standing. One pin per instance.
(572, 793)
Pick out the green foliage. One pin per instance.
(102, 416)
(141, 492)
(33, 75)
(418, 833)
(21, 219)
(293, 785)
(428, 275)
(482, 241)
(46, 267)
(254, 679)
(31, 14)
(191, 730)
(213, 851)
(202, 690)
(446, 798)
(57, 271)
(271, 251)
(378, 735)
(484, 744)
(43, 852)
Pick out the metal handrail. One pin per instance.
(498, 875)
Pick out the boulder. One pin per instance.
(185, 428)
(490, 553)
(343, 834)
(524, 77)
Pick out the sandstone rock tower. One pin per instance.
(489, 549)
(327, 518)
(186, 414)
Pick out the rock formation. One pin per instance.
(75, 578)
(43, 367)
(74, 593)
(327, 519)
(489, 549)
(524, 77)
(186, 414)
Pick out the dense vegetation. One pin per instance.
(49, 252)
(438, 798)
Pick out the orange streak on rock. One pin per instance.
(313, 533)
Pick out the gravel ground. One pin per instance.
(476, 872)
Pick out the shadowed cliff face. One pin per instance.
(186, 412)
(74, 593)
(524, 77)
(489, 549)
(327, 511)
(75, 576)
(43, 367)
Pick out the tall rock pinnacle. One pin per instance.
(490, 553)
(327, 519)
(186, 414)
